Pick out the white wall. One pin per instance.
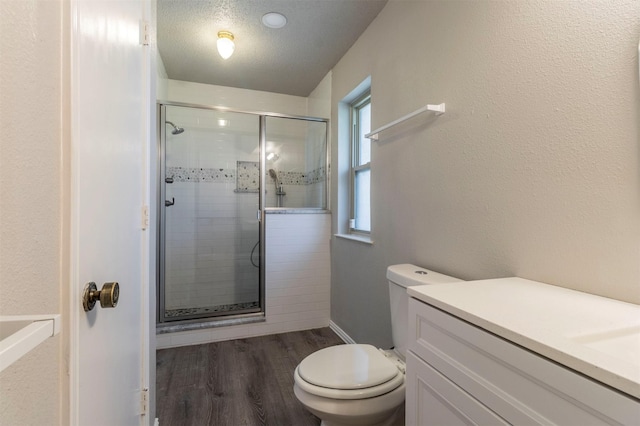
(319, 101)
(231, 97)
(297, 282)
(162, 78)
(34, 185)
(534, 169)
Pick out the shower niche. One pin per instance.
(220, 172)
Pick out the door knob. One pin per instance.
(108, 295)
(168, 203)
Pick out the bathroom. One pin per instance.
(531, 172)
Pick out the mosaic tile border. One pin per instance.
(302, 178)
(245, 182)
(173, 313)
(189, 174)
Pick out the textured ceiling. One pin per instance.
(291, 60)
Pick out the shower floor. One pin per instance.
(180, 312)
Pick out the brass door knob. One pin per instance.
(108, 295)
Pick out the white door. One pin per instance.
(109, 103)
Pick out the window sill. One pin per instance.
(364, 239)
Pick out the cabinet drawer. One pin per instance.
(519, 385)
(432, 399)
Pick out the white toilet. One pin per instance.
(359, 384)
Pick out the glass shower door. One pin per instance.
(296, 163)
(210, 196)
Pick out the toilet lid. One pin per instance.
(347, 367)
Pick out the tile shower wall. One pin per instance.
(304, 189)
(297, 282)
(211, 214)
(200, 269)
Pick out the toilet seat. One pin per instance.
(348, 372)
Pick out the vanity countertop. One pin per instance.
(594, 335)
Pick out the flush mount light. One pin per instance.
(274, 20)
(225, 44)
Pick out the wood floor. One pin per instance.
(237, 382)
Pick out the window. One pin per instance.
(361, 166)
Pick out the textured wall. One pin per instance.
(534, 169)
(31, 184)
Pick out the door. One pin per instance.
(209, 230)
(109, 140)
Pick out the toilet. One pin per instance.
(358, 384)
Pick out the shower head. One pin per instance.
(176, 130)
(274, 176)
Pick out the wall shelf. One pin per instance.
(21, 333)
(438, 109)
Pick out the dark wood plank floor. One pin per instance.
(237, 382)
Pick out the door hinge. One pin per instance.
(144, 217)
(144, 401)
(145, 38)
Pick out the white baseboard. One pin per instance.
(341, 333)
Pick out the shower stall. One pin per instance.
(220, 172)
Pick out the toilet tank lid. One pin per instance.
(407, 275)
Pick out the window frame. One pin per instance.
(355, 167)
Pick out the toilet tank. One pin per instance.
(400, 277)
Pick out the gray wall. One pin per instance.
(533, 170)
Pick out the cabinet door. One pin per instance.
(519, 385)
(434, 400)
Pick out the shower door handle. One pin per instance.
(168, 203)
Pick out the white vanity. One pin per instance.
(514, 351)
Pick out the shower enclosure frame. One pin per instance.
(165, 326)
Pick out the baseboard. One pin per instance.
(341, 333)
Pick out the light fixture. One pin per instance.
(272, 156)
(225, 44)
(274, 20)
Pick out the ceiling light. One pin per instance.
(225, 44)
(274, 20)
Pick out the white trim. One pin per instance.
(341, 333)
(74, 294)
(359, 238)
(147, 316)
(22, 333)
